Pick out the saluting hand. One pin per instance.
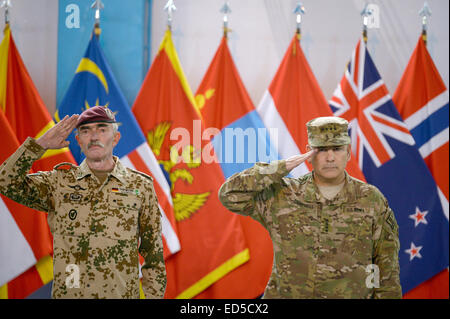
(55, 137)
(294, 161)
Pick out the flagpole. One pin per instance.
(169, 8)
(225, 10)
(425, 12)
(97, 6)
(366, 13)
(299, 11)
(6, 4)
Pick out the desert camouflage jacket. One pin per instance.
(96, 228)
(340, 248)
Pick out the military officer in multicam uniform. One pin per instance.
(100, 213)
(334, 236)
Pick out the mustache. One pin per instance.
(95, 143)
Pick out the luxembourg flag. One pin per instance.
(422, 100)
(94, 84)
(240, 139)
(293, 98)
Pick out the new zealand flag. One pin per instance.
(388, 158)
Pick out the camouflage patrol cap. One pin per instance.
(327, 131)
(96, 114)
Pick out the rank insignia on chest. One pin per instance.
(75, 197)
(77, 187)
(125, 191)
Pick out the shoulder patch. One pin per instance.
(391, 222)
(64, 166)
(140, 173)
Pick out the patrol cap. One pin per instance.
(327, 131)
(96, 114)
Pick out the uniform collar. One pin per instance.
(118, 172)
(346, 194)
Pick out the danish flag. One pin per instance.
(363, 99)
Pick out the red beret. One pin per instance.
(96, 114)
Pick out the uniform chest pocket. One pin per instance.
(356, 226)
(72, 213)
(358, 221)
(293, 223)
(121, 218)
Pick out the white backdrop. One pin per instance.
(261, 32)
(34, 26)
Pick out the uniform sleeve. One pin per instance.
(244, 192)
(151, 248)
(32, 190)
(386, 250)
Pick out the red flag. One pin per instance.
(294, 97)
(27, 115)
(212, 242)
(225, 104)
(422, 100)
(21, 245)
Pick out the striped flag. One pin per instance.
(422, 100)
(23, 114)
(293, 98)
(211, 237)
(23, 235)
(94, 84)
(387, 154)
(240, 140)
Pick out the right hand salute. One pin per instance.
(294, 161)
(55, 137)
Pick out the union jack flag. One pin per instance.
(389, 159)
(363, 99)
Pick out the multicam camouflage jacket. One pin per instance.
(96, 228)
(341, 248)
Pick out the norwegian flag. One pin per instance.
(421, 98)
(388, 158)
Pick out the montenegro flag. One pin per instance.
(23, 114)
(212, 241)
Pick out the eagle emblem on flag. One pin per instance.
(184, 205)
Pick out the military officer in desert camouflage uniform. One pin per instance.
(334, 236)
(100, 213)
